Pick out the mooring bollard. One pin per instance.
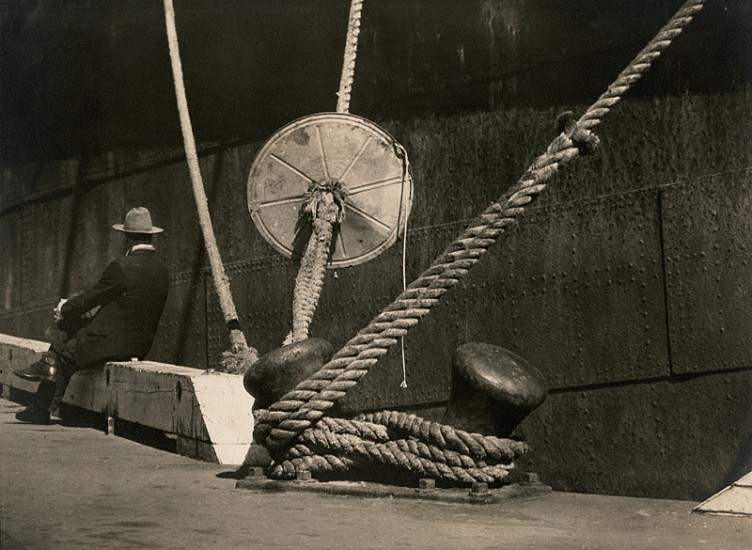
(492, 390)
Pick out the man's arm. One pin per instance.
(109, 287)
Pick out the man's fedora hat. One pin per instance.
(137, 220)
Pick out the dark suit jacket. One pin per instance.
(131, 292)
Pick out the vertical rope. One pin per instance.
(310, 279)
(221, 281)
(351, 51)
(325, 203)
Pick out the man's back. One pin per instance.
(132, 293)
(114, 320)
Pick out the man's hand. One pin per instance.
(57, 315)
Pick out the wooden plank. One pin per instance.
(88, 390)
(16, 353)
(209, 412)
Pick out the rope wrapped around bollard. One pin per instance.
(401, 440)
(295, 429)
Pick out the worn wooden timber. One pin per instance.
(208, 413)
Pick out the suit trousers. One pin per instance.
(63, 349)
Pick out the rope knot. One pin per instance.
(585, 140)
(326, 199)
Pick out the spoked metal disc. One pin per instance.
(332, 146)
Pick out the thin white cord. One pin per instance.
(403, 209)
(403, 384)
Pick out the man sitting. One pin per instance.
(115, 320)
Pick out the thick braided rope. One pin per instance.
(310, 279)
(401, 440)
(221, 281)
(339, 444)
(387, 425)
(351, 51)
(306, 404)
(443, 436)
(390, 454)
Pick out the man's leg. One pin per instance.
(54, 371)
(46, 368)
(67, 366)
(37, 412)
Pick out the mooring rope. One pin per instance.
(309, 281)
(351, 51)
(325, 203)
(299, 409)
(403, 441)
(221, 281)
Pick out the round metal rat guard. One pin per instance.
(332, 147)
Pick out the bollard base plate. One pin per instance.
(367, 489)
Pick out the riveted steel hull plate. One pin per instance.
(181, 336)
(708, 238)
(577, 289)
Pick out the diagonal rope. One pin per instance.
(306, 404)
(221, 281)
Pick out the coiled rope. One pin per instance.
(401, 440)
(300, 412)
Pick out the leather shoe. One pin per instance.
(55, 413)
(34, 415)
(41, 370)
